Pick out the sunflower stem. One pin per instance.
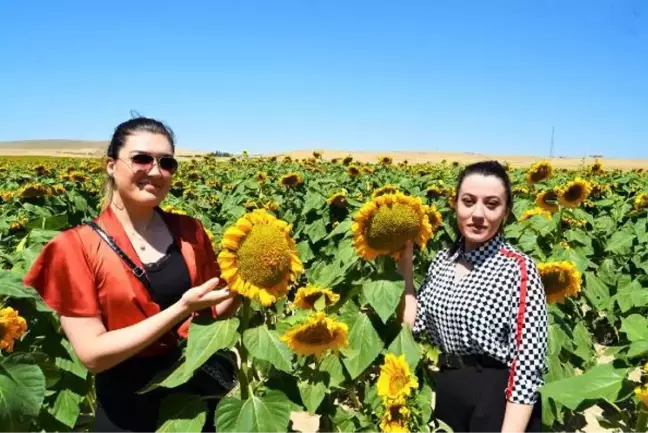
(642, 419)
(244, 373)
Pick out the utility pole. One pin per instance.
(551, 149)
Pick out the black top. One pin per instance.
(117, 387)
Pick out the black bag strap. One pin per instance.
(136, 270)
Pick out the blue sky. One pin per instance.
(474, 76)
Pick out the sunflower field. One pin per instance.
(311, 246)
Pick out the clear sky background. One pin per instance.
(275, 75)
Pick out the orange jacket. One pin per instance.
(78, 274)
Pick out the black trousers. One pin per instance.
(472, 399)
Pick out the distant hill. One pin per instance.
(62, 147)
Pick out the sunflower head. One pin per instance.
(535, 211)
(396, 419)
(641, 392)
(34, 190)
(434, 192)
(339, 199)
(383, 190)
(172, 209)
(291, 179)
(271, 205)
(641, 201)
(258, 257)
(547, 200)
(317, 335)
(12, 327)
(367, 170)
(596, 168)
(317, 155)
(538, 172)
(574, 193)
(287, 158)
(560, 280)
(262, 176)
(347, 160)
(434, 216)
(396, 382)
(383, 225)
(385, 160)
(353, 171)
(306, 297)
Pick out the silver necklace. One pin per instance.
(141, 240)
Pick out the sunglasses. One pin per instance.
(145, 162)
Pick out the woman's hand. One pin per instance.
(204, 296)
(405, 265)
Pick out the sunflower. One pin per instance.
(596, 168)
(434, 216)
(547, 200)
(395, 420)
(353, 171)
(34, 190)
(287, 158)
(574, 193)
(384, 224)
(317, 335)
(434, 192)
(262, 176)
(560, 280)
(17, 226)
(385, 160)
(368, 170)
(539, 172)
(641, 392)
(172, 209)
(250, 205)
(641, 201)
(383, 190)
(12, 327)
(317, 155)
(598, 189)
(535, 211)
(6, 196)
(347, 160)
(306, 297)
(572, 222)
(258, 257)
(271, 205)
(520, 190)
(291, 179)
(339, 199)
(396, 382)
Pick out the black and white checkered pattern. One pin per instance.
(482, 314)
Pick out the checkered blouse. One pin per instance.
(497, 309)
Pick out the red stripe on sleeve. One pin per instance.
(520, 314)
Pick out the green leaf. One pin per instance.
(638, 348)
(11, 285)
(80, 204)
(270, 413)
(557, 339)
(22, 390)
(331, 364)
(384, 296)
(528, 242)
(67, 408)
(206, 337)
(620, 243)
(343, 228)
(597, 291)
(404, 344)
(630, 294)
(312, 394)
(635, 327)
(172, 377)
(583, 342)
(580, 236)
(313, 201)
(264, 344)
(640, 230)
(424, 402)
(326, 275)
(605, 224)
(608, 272)
(316, 231)
(66, 359)
(181, 412)
(363, 339)
(305, 252)
(601, 382)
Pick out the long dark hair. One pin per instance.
(118, 140)
(484, 168)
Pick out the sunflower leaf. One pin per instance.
(266, 345)
(363, 339)
(312, 394)
(22, 390)
(404, 344)
(597, 291)
(331, 364)
(384, 296)
(635, 327)
(620, 242)
(182, 412)
(270, 413)
(206, 337)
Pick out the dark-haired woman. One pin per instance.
(125, 315)
(483, 305)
